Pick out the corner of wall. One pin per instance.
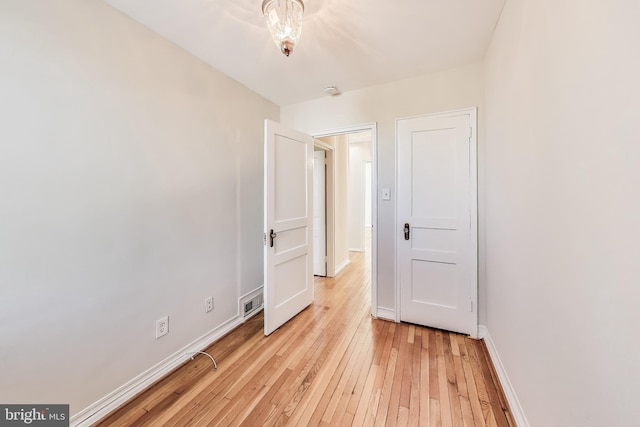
(507, 387)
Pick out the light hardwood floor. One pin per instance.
(332, 365)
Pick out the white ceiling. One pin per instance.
(345, 43)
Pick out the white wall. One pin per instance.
(443, 91)
(130, 188)
(563, 208)
(359, 153)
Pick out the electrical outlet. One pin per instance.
(208, 304)
(162, 326)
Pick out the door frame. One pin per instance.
(473, 203)
(373, 129)
(329, 237)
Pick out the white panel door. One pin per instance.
(437, 217)
(319, 214)
(288, 254)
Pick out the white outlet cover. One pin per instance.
(162, 327)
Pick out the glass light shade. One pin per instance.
(284, 20)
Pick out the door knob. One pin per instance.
(272, 235)
(406, 231)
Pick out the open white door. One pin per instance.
(437, 217)
(288, 253)
(319, 214)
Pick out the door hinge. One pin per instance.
(471, 304)
(264, 238)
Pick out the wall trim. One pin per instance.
(342, 265)
(509, 391)
(386, 314)
(103, 407)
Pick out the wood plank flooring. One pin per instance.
(332, 365)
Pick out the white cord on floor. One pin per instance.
(192, 353)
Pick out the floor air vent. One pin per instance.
(252, 305)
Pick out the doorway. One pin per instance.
(347, 213)
(319, 211)
(288, 217)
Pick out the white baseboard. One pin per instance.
(386, 314)
(118, 397)
(342, 265)
(509, 391)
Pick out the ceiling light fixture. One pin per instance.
(284, 20)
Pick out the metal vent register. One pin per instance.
(252, 305)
